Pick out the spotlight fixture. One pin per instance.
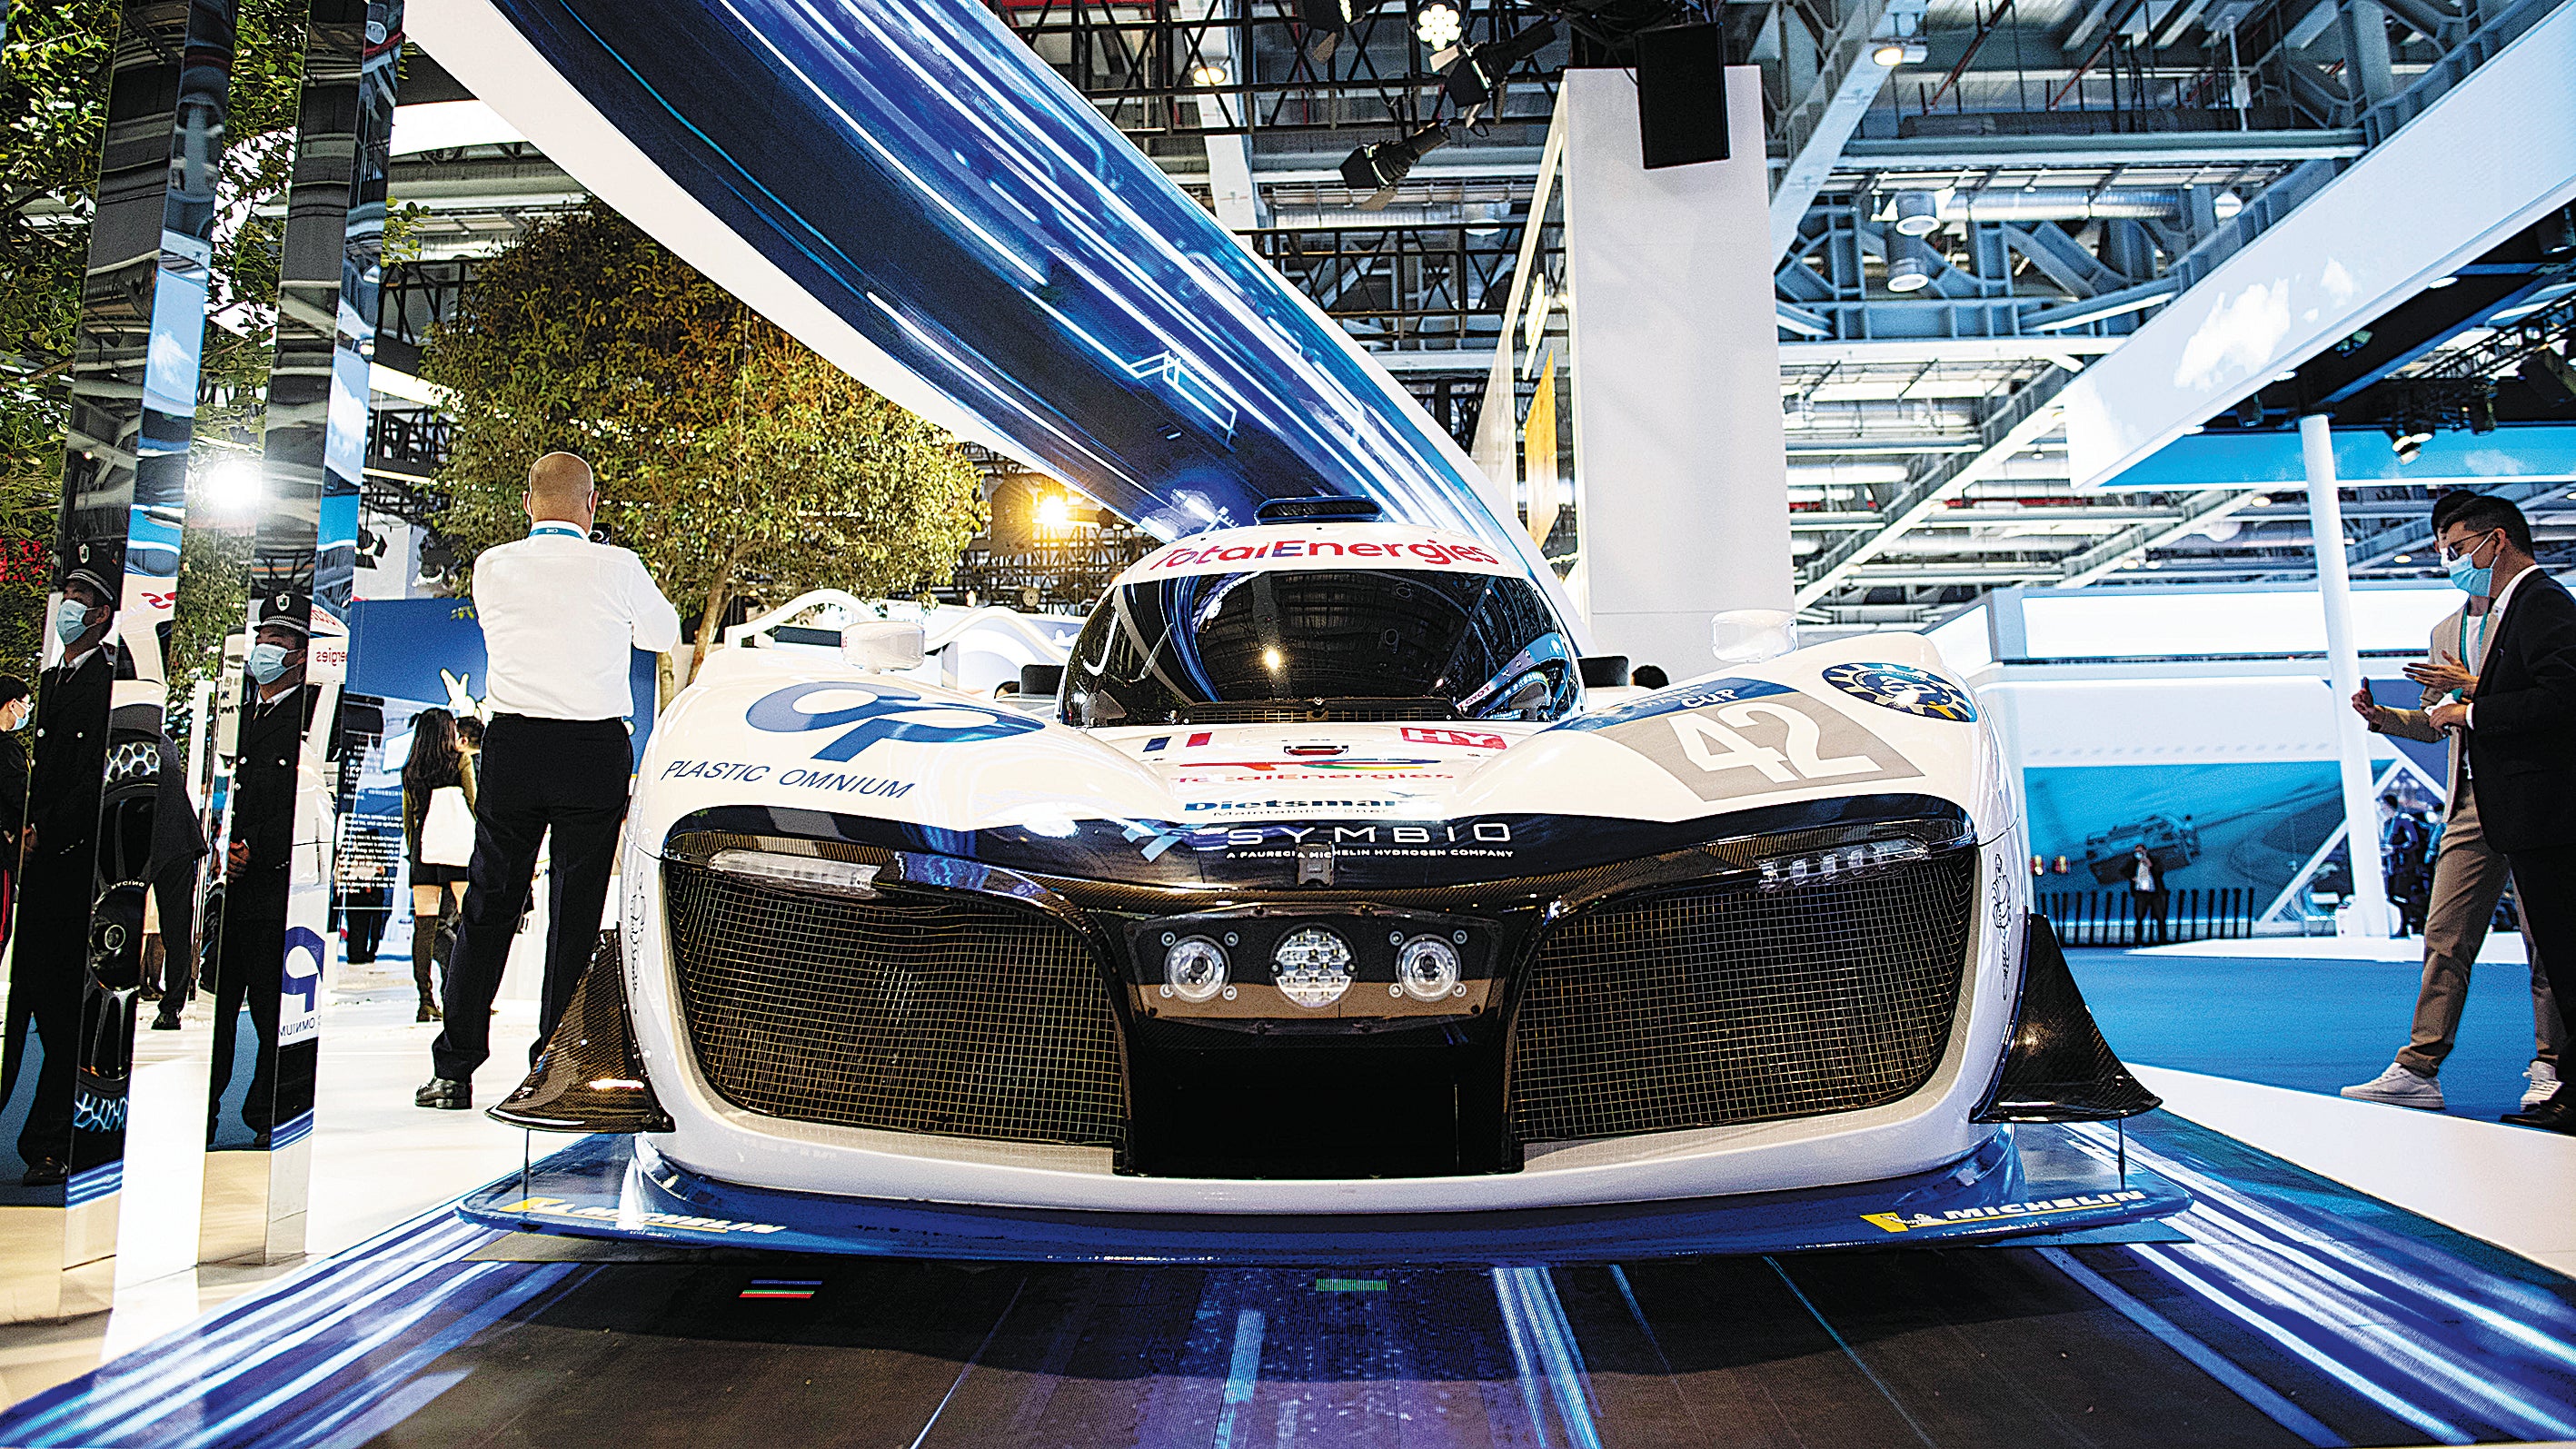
(1438, 25)
(1909, 265)
(233, 485)
(1476, 80)
(2438, 283)
(2408, 437)
(1325, 21)
(1208, 75)
(1918, 213)
(1889, 54)
(1381, 165)
(2225, 205)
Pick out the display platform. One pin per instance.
(2297, 1312)
(2032, 1177)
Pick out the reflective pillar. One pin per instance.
(2369, 913)
(278, 867)
(100, 752)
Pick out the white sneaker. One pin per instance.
(2544, 1084)
(2399, 1087)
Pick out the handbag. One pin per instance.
(447, 829)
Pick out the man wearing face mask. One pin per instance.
(252, 963)
(2469, 871)
(2519, 744)
(59, 845)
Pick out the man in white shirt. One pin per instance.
(560, 616)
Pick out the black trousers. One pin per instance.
(250, 971)
(46, 977)
(2544, 881)
(536, 774)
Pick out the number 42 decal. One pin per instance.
(1711, 745)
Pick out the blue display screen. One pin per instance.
(920, 171)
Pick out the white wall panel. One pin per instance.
(1680, 468)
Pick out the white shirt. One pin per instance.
(560, 614)
(2495, 616)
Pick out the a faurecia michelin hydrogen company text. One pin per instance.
(1326, 884)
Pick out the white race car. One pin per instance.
(1325, 884)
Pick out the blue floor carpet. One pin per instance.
(2317, 1026)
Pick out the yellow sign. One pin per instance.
(1538, 455)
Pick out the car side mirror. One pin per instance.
(880, 646)
(1042, 679)
(1749, 636)
(1603, 671)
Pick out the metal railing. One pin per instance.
(2114, 917)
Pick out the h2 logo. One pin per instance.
(883, 714)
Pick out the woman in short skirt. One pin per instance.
(438, 759)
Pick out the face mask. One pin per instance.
(266, 662)
(71, 621)
(2468, 576)
(18, 721)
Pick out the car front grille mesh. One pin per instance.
(1722, 1003)
(917, 1011)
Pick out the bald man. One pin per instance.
(562, 617)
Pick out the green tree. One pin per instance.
(731, 457)
(53, 105)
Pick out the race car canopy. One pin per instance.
(1321, 546)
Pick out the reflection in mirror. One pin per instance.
(100, 766)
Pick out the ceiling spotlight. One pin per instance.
(2408, 437)
(1909, 265)
(1889, 54)
(2438, 283)
(2403, 558)
(2285, 377)
(1488, 219)
(2259, 500)
(1325, 20)
(1378, 167)
(2226, 205)
(1208, 75)
(1438, 25)
(1918, 213)
(1477, 79)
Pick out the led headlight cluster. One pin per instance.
(1312, 967)
(807, 872)
(1427, 968)
(1194, 968)
(1798, 870)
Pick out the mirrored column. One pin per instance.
(101, 762)
(277, 868)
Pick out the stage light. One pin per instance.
(1438, 25)
(2407, 438)
(233, 484)
(2438, 283)
(1378, 167)
(1477, 79)
(1909, 266)
(1889, 54)
(1053, 514)
(1326, 20)
(1208, 74)
(2403, 558)
(1489, 219)
(1918, 213)
(2226, 205)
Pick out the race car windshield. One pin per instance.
(1348, 643)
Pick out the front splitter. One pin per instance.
(2025, 1181)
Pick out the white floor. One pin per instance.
(2501, 947)
(377, 1160)
(2511, 1186)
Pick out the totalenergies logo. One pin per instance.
(1436, 553)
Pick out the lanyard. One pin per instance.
(552, 526)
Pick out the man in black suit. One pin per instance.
(252, 963)
(51, 964)
(2520, 756)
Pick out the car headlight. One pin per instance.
(836, 877)
(1312, 967)
(1788, 871)
(1426, 969)
(1194, 969)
